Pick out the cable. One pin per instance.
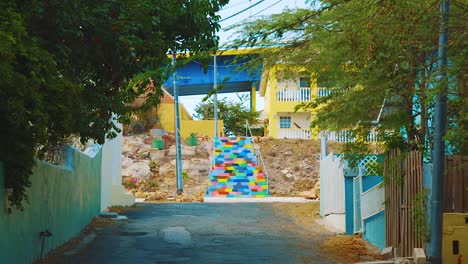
(242, 11)
(229, 7)
(264, 9)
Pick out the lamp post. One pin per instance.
(215, 87)
(180, 186)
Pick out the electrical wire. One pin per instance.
(229, 7)
(268, 7)
(242, 11)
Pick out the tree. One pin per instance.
(370, 52)
(233, 114)
(68, 66)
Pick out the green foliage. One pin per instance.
(419, 215)
(153, 165)
(185, 175)
(370, 52)
(233, 114)
(68, 66)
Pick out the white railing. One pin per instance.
(373, 201)
(293, 95)
(322, 92)
(258, 153)
(345, 136)
(294, 133)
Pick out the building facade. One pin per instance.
(283, 88)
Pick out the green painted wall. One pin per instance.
(63, 199)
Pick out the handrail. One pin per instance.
(258, 153)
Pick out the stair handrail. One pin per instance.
(258, 153)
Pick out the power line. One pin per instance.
(229, 7)
(242, 11)
(268, 7)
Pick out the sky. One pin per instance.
(263, 8)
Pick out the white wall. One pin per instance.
(332, 187)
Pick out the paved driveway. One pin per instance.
(203, 233)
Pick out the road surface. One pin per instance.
(201, 233)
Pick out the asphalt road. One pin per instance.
(201, 233)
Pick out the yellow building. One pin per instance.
(164, 114)
(283, 88)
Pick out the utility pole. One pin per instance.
(180, 184)
(215, 87)
(440, 125)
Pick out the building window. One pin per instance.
(304, 82)
(285, 122)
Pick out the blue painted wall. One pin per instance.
(374, 227)
(62, 199)
(349, 205)
(367, 183)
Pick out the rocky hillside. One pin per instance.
(292, 167)
(150, 173)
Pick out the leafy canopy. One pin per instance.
(68, 66)
(371, 53)
(233, 114)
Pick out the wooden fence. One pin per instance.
(404, 181)
(456, 185)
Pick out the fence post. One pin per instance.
(323, 145)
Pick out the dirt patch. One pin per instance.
(293, 165)
(350, 249)
(345, 249)
(55, 256)
(123, 209)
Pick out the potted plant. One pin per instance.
(158, 143)
(192, 140)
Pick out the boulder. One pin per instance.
(308, 194)
(139, 169)
(186, 151)
(156, 154)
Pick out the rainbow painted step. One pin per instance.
(234, 172)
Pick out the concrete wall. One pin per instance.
(62, 199)
(455, 231)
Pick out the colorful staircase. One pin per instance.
(235, 172)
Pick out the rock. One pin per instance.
(154, 196)
(199, 196)
(183, 198)
(308, 194)
(126, 161)
(156, 154)
(288, 153)
(186, 151)
(204, 148)
(285, 171)
(167, 169)
(140, 169)
(419, 257)
(140, 195)
(387, 253)
(289, 175)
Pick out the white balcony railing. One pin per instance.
(294, 133)
(322, 92)
(293, 95)
(345, 136)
